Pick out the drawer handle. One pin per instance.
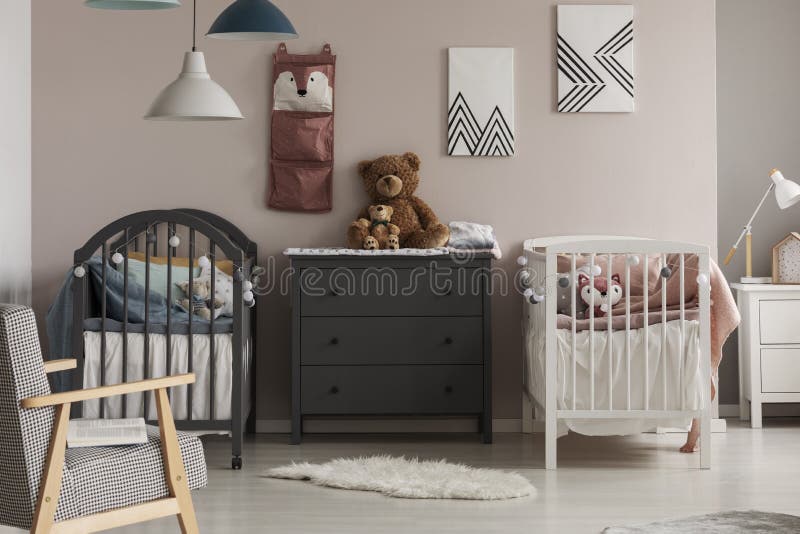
(334, 390)
(334, 341)
(448, 341)
(448, 389)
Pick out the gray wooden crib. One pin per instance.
(126, 328)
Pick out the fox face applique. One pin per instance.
(302, 89)
(604, 297)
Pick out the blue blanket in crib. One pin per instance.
(59, 317)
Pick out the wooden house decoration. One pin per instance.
(786, 260)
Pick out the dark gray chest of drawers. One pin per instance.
(391, 335)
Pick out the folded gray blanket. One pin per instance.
(469, 235)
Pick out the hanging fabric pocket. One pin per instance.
(302, 136)
(301, 156)
(300, 186)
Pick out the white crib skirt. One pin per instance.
(157, 362)
(685, 394)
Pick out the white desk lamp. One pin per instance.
(787, 194)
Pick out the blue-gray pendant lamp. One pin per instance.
(252, 20)
(132, 5)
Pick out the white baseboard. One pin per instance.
(402, 425)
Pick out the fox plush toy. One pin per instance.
(604, 297)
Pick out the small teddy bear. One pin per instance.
(382, 233)
(200, 303)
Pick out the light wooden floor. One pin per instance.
(600, 482)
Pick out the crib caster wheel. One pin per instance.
(236, 463)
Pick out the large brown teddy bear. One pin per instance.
(392, 180)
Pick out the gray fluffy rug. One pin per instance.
(751, 522)
(410, 478)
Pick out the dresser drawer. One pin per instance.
(779, 321)
(414, 389)
(391, 292)
(390, 340)
(780, 370)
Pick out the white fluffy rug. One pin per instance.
(409, 479)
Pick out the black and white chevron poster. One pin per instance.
(595, 58)
(480, 116)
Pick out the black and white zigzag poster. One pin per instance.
(480, 116)
(595, 58)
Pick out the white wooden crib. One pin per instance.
(646, 376)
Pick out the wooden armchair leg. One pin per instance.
(50, 485)
(174, 470)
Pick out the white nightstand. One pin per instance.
(769, 347)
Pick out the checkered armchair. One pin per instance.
(49, 488)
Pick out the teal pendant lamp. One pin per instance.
(132, 5)
(252, 20)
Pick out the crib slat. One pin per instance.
(103, 326)
(155, 239)
(682, 338)
(190, 355)
(609, 318)
(705, 359)
(170, 231)
(125, 323)
(591, 331)
(628, 329)
(147, 249)
(646, 291)
(664, 351)
(211, 374)
(574, 282)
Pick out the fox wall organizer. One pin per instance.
(301, 158)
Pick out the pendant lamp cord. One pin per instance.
(194, 26)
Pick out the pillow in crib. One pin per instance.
(158, 276)
(223, 288)
(181, 261)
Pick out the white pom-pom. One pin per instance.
(248, 296)
(247, 285)
(596, 270)
(117, 258)
(538, 298)
(79, 271)
(174, 241)
(522, 260)
(528, 293)
(540, 290)
(633, 260)
(203, 262)
(702, 279)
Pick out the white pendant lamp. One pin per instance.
(194, 96)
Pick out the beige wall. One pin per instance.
(650, 173)
(758, 76)
(15, 152)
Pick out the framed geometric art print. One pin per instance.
(480, 116)
(595, 58)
